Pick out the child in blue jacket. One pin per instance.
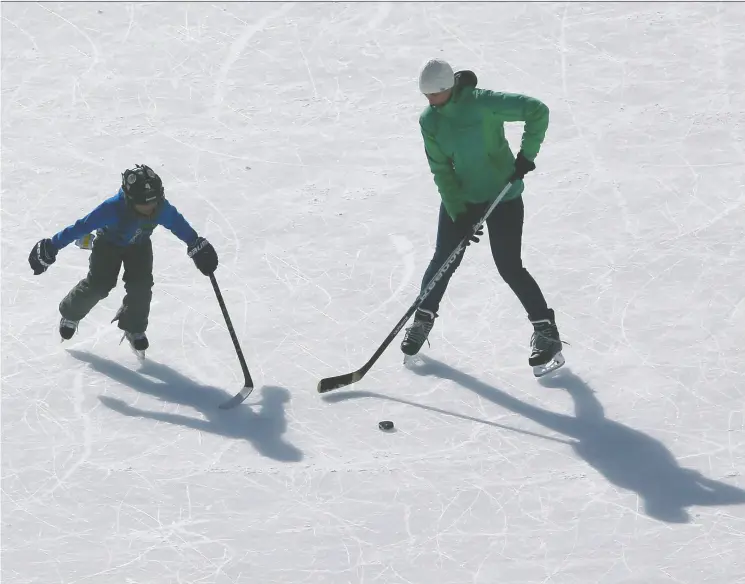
(123, 225)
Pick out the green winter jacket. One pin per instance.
(467, 151)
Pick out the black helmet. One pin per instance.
(142, 185)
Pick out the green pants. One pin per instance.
(105, 263)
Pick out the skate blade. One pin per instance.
(552, 365)
(139, 354)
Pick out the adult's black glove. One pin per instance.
(475, 236)
(522, 167)
(42, 256)
(204, 255)
(464, 226)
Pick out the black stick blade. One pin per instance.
(331, 383)
(238, 398)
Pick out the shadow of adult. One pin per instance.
(626, 457)
(342, 396)
(263, 428)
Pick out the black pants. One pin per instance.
(505, 226)
(105, 263)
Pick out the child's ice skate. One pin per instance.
(138, 342)
(67, 328)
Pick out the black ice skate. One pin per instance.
(546, 343)
(138, 342)
(67, 328)
(418, 332)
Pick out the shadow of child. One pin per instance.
(264, 429)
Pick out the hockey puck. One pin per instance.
(385, 425)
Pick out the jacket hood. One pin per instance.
(465, 79)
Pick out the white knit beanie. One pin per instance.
(436, 76)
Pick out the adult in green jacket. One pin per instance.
(471, 161)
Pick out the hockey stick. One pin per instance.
(331, 383)
(248, 384)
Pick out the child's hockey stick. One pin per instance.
(248, 384)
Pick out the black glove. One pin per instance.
(204, 255)
(522, 167)
(475, 236)
(42, 256)
(463, 225)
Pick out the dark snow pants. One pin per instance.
(505, 227)
(105, 263)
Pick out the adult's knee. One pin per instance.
(442, 255)
(510, 270)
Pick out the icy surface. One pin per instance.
(287, 134)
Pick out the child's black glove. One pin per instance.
(204, 255)
(42, 256)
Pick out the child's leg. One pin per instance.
(103, 270)
(138, 283)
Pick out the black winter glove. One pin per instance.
(42, 256)
(464, 226)
(475, 237)
(204, 255)
(522, 167)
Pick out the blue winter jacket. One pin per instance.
(114, 221)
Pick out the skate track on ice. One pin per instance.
(287, 134)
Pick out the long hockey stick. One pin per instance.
(248, 384)
(331, 383)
